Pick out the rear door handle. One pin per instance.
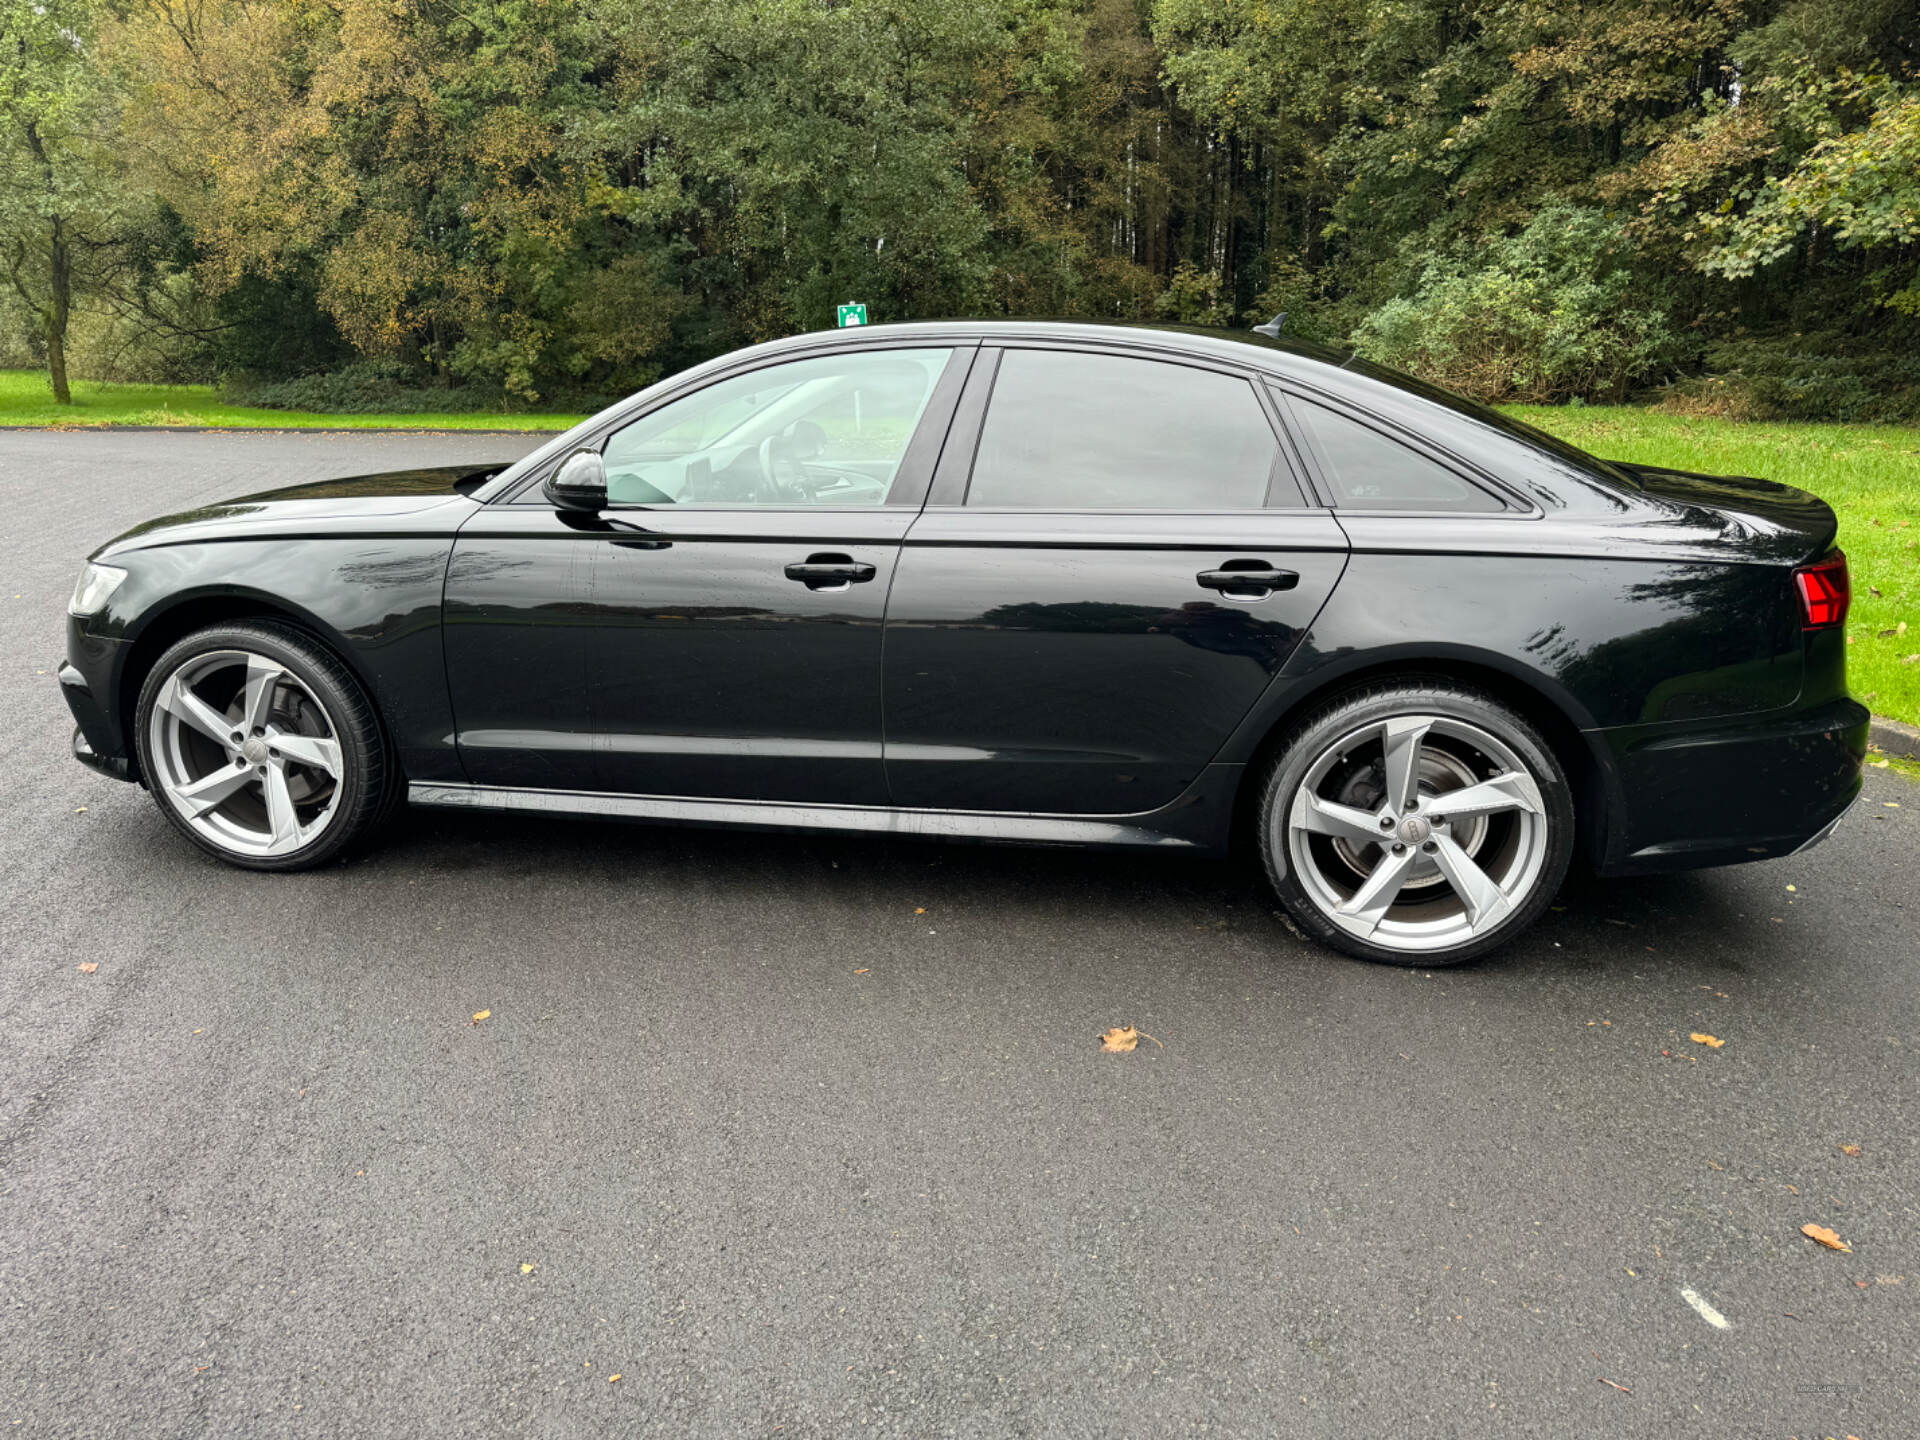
(830, 572)
(1247, 579)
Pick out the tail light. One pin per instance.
(1825, 592)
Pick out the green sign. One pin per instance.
(852, 315)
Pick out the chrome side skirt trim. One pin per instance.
(780, 815)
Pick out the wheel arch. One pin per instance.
(191, 610)
(1555, 714)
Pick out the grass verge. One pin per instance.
(26, 401)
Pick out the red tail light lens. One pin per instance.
(1825, 592)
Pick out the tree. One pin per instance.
(60, 202)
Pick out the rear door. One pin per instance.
(1115, 561)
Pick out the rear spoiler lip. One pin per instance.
(1796, 527)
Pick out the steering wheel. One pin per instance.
(776, 454)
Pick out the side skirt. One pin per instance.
(1195, 823)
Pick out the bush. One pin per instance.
(368, 387)
(1814, 376)
(1550, 313)
(1194, 297)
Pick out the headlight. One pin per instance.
(96, 587)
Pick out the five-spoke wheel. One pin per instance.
(1416, 825)
(259, 745)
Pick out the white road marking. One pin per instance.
(1707, 1313)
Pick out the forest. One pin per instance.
(1712, 205)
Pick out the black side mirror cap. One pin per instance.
(579, 484)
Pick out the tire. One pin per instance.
(1432, 882)
(206, 726)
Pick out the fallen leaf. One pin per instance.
(1849, 1149)
(1707, 1040)
(921, 910)
(1826, 1237)
(867, 971)
(479, 1015)
(526, 1269)
(1874, 590)
(81, 811)
(1793, 889)
(87, 967)
(1121, 1039)
(613, 1379)
(1911, 660)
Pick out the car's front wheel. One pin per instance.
(1416, 824)
(261, 747)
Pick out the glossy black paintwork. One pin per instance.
(361, 562)
(1016, 664)
(1074, 663)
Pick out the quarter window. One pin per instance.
(1368, 471)
(825, 431)
(1072, 431)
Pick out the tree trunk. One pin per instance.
(57, 314)
(60, 299)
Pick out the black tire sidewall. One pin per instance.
(365, 771)
(1377, 703)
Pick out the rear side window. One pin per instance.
(1369, 471)
(1072, 431)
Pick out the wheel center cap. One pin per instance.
(1414, 830)
(254, 750)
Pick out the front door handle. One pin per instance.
(830, 572)
(1247, 579)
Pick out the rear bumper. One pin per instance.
(1733, 793)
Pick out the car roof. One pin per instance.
(1279, 355)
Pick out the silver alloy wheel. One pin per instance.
(246, 753)
(1418, 832)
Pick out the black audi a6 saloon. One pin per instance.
(1057, 584)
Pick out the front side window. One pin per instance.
(1369, 471)
(826, 431)
(1072, 431)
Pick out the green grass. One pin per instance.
(1869, 474)
(25, 400)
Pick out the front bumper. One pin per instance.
(1723, 796)
(86, 679)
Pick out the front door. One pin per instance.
(517, 635)
(742, 573)
(1085, 612)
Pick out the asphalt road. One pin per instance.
(812, 1136)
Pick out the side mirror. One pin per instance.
(579, 484)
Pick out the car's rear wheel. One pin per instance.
(261, 747)
(1416, 824)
